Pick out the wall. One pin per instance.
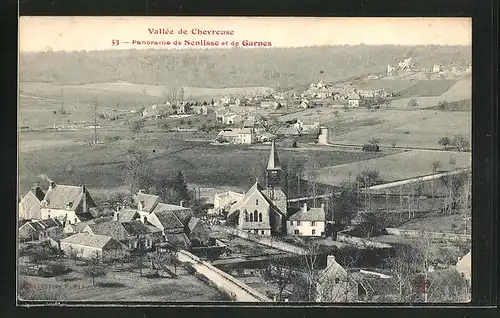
(358, 241)
(83, 251)
(432, 235)
(305, 228)
(56, 213)
(265, 240)
(225, 276)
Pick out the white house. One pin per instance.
(247, 136)
(307, 222)
(436, 68)
(70, 203)
(353, 100)
(30, 205)
(231, 118)
(224, 201)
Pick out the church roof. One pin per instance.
(260, 190)
(273, 162)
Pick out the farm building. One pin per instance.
(307, 222)
(37, 230)
(88, 246)
(72, 204)
(353, 100)
(30, 205)
(238, 136)
(371, 147)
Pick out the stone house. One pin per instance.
(307, 222)
(89, 245)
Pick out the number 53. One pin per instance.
(115, 42)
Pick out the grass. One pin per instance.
(455, 106)
(101, 166)
(427, 88)
(425, 127)
(394, 167)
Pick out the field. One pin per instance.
(117, 285)
(101, 166)
(428, 88)
(394, 167)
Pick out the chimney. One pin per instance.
(304, 207)
(181, 203)
(323, 206)
(52, 185)
(116, 216)
(84, 199)
(140, 206)
(330, 259)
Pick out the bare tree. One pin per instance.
(461, 142)
(403, 272)
(373, 223)
(93, 271)
(280, 273)
(310, 264)
(73, 254)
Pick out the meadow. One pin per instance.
(101, 166)
(394, 167)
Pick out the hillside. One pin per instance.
(272, 67)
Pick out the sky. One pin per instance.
(97, 33)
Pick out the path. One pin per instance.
(222, 280)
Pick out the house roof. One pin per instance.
(182, 213)
(229, 133)
(149, 200)
(353, 96)
(38, 193)
(127, 215)
(30, 205)
(259, 189)
(114, 229)
(256, 226)
(312, 214)
(87, 239)
(246, 131)
(168, 220)
(287, 130)
(61, 195)
(50, 223)
(464, 265)
(193, 222)
(273, 162)
(178, 239)
(136, 228)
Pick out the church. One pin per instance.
(262, 210)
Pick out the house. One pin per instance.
(89, 245)
(38, 230)
(307, 127)
(113, 229)
(184, 108)
(200, 110)
(141, 235)
(287, 130)
(80, 226)
(353, 100)
(71, 204)
(173, 222)
(336, 285)
(231, 118)
(262, 211)
(228, 135)
(225, 100)
(266, 137)
(436, 68)
(30, 204)
(199, 233)
(224, 201)
(464, 267)
(307, 222)
(246, 136)
(305, 104)
(145, 203)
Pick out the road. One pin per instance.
(241, 291)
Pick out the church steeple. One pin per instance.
(273, 168)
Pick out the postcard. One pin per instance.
(244, 159)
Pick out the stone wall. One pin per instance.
(432, 235)
(358, 241)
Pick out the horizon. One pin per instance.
(73, 34)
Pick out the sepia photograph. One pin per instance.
(244, 159)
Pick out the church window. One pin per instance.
(246, 216)
(260, 217)
(262, 232)
(251, 217)
(255, 215)
(256, 201)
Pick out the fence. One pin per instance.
(431, 235)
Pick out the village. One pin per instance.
(368, 229)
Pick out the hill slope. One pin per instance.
(274, 67)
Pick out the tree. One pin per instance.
(345, 205)
(173, 259)
(374, 140)
(93, 271)
(137, 126)
(442, 105)
(412, 103)
(372, 223)
(57, 269)
(461, 142)
(119, 199)
(280, 273)
(403, 270)
(38, 255)
(137, 173)
(368, 178)
(179, 189)
(444, 141)
(73, 254)
(138, 261)
(309, 268)
(163, 124)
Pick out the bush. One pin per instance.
(111, 284)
